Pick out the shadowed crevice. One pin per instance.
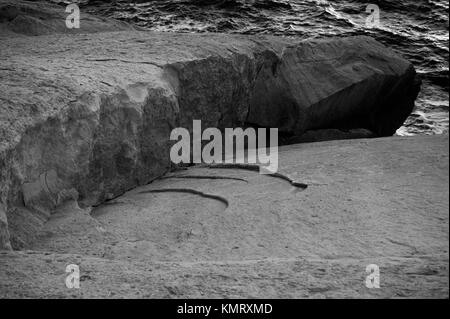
(256, 168)
(206, 177)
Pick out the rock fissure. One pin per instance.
(256, 168)
(188, 191)
(206, 177)
(127, 61)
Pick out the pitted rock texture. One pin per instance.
(89, 117)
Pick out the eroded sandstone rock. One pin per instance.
(89, 117)
(343, 83)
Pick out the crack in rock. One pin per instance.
(254, 167)
(206, 177)
(188, 191)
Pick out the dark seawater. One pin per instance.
(418, 29)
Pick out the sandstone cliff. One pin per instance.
(88, 116)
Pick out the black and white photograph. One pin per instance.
(244, 150)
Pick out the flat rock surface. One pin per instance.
(231, 232)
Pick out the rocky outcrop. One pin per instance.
(345, 83)
(89, 117)
(40, 18)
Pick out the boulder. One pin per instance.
(88, 117)
(343, 83)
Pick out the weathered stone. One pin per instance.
(94, 113)
(344, 83)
